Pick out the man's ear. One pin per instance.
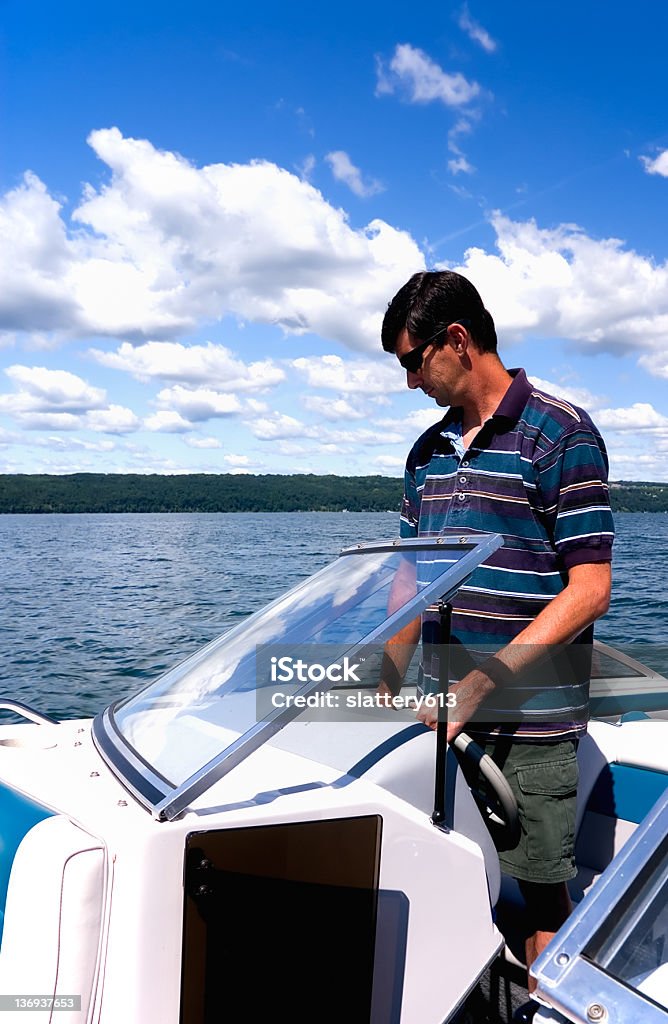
(460, 338)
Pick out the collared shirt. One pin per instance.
(536, 473)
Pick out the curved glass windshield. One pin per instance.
(201, 718)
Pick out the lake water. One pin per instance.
(92, 606)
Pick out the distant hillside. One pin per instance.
(204, 492)
(638, 496)
(197, 492)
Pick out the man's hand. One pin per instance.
(469, 693)
(429, 716)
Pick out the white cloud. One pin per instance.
(42, 390)
(59, 400)
(34, 259)
(367, 377)
(345, 170)
(460, 165)
(475, 31)
(164, 246)
(390, 462)
(257, 407)
(328, 449)
(638, 466)
(423, 80)
(307, 167)
(462, 126)
(49, 420)
(461, 192)
(169, 422)
(657, 362)
(208, 364)
(202, 442)
(115, 419)
(240, 461)
(422, 419)
(279, 426)
(639, 416)
(290, 448)
(561, 283)
(361, 438)
(198, 404)
(413, 424)
(333, 408)
(659, 165)
(72, 444)
(255, 241)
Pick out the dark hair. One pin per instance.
(433, 299)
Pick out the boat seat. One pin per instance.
(616, 790)
(53, 917)
(18, 814)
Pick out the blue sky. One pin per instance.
(205, 209)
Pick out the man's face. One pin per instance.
(440, 370)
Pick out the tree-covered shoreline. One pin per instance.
(197, 492)
(228, 492)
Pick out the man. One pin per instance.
(509, 459)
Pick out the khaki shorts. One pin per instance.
(544, 779)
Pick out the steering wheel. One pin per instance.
(494, 797)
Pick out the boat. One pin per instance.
(255, 835)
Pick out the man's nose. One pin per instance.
(413, 380)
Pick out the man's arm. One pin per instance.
(583, 600)
(397, 657)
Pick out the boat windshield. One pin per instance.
(200, 719)
(616, 944)
(632, 944)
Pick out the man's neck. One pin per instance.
(488, 386)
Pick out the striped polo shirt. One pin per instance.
(536, 473)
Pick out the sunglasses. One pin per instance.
(412, 361)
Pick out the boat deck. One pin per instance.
(500, 991)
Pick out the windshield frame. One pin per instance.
(567, 972)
